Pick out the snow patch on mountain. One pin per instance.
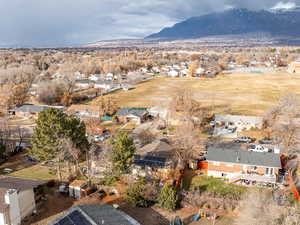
(284, 5)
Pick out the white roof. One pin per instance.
(239, 118)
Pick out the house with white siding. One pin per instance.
(17, 199)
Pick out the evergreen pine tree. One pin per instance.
(122, 152)
(51, 126)
(168, 197)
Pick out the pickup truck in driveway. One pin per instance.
(258, 148)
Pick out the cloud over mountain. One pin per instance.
(69, 22)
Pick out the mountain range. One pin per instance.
(274, 23)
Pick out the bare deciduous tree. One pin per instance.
(146, 136)
(259, 208)
(107, 105)
(287, 107)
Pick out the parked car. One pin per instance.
(244, 139)
(230, 129)
(257, 148)
(265, 141)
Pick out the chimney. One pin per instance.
(12, 199)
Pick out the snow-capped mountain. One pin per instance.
(276, 22)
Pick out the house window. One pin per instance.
(224, 174)
(269, 171)
(216, 163)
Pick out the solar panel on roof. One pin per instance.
(74, 218)
(150, 161)
(154, 158)
(64, 221)
(78, 219)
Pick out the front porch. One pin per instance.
(254, 178)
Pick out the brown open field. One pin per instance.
(235, 93)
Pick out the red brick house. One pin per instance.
(238, 164)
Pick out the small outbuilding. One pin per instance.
(77, 188)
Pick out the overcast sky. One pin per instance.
(69, 22)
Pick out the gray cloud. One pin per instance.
(69, 22)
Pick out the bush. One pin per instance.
(109, 180)
(78, 98)
(168, 197)
(135, 194)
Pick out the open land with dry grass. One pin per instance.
(250, 94)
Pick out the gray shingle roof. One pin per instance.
(100, 215)
(239, 118)
(83, 81)
(139, 112)
(240, 156)
(157, 148)
(104, 82)
(32, 108)
(19, 184)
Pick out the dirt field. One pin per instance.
(236, 93)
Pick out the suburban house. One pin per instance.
(236, 164)
(184, 72)
(110, 76)
(106, 85)
(95, 215)
(240, 122)
(199, 71)
(85, 111)
(159, 112)
(127, 87)
(79, 76)
(95, 77)
(156, 157)
(83, 84)
(294, 67)
(31, 110)
(155, 69)
(173, 73)
(139, 115)
(17, 199)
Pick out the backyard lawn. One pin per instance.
(34, 172)
(212, 185)
(25, 169)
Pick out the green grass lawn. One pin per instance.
(214, 186)
(34, 172)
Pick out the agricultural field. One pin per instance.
(250, 94)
